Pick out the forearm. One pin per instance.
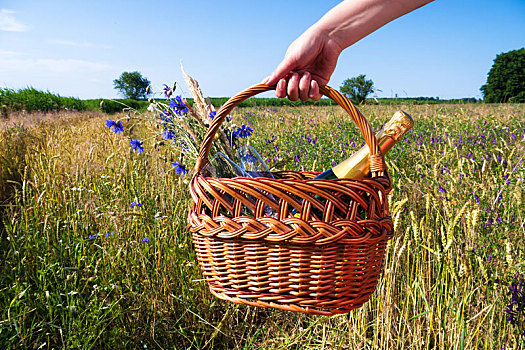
(352, 20)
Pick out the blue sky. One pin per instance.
(76, 48)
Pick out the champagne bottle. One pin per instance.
(358, 165)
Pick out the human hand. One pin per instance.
(310, 60)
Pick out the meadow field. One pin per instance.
(95, 254)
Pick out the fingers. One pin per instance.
(314, 93)
(280, 89)
(304, 86)
(293, 87)
(298, 87)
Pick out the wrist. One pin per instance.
(327, 36)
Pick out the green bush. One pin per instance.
(32, 100)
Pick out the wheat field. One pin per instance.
(94, 250)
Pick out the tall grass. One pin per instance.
(94, 252)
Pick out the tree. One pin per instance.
(357, 88)
(132, 85)
(506, 78)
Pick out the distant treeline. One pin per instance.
(422, 100)
(274, 102)
(32, 100)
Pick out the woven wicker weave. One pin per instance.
(326, 262)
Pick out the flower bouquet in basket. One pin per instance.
(180, 128)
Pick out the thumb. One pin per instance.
(282, 70)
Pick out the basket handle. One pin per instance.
(377, 163)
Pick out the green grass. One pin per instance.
(31, 100)
(65, 178)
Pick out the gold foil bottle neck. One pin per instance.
(400, 123)
(358, 165)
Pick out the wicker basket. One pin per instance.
(326, 262)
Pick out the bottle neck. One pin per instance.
(358, 165)
(385, 141)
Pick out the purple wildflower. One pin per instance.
(178, 105)
(165, 115)
(168, 135)
(167, 91)
(145, 240)
(137, 145)
(179, 168)
(516, 309)
(250, 158)
(243, 131)
(117, 127)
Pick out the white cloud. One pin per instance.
(6, 53)
(12, 61)
(8, 22)
(85, 44)
(71, 43)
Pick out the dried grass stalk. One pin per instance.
(201, 105)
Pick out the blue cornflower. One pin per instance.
(167, 91)
(109, 123)
(137, 145)
(135, 204)
(243, 131)
(109, 234)
(145, 240)
(178, 106)
(212, 114)
(168, 135)
(118, 128)
(179, 168)
(93, 236)
(250, 158)
(165, 115)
